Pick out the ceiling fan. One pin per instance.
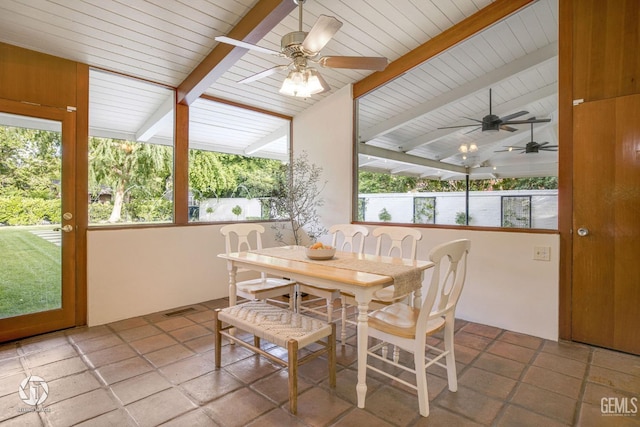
(302, 48)
(532, 146)
(493, 123)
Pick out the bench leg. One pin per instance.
(292, 347)
(218, 338)
(256, 341)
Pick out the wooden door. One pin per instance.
(38, 266)
(606, 224)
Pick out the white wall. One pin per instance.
(135, 272)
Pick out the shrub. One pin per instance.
(18, 210)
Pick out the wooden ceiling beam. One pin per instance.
(259, 21)
(480, 20)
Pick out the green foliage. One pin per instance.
(99, 212)
(424, 210)
(236, 210)
(128, 169)
(384, 215)
(150, 210)
(372, 182)
(30, 162)
(17, 210)
(461, 218)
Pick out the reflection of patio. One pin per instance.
(52, 236)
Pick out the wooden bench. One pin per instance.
(282, 327)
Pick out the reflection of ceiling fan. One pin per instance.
(301, 48)
(491, 122)
(532, 146)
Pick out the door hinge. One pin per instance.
(70, 109)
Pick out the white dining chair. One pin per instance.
(407, 327)
(345, 237)
(263, 288)
(401, 242)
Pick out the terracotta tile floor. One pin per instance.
(159, 369)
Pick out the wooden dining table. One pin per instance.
(359, 274)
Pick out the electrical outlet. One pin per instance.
(542, 253)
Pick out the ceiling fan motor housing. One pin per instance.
(291, 43)
(491, 122)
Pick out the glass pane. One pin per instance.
(234, 172)
(130, 151)
(30, 213)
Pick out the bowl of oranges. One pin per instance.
(320, 251)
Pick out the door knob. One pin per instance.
(583, 232)
(67, 228)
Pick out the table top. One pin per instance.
(322, 270)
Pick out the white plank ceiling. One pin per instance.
(162, 41)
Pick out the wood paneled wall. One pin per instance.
(29, 76)
(606, 38)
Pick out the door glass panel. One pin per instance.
(30, 214)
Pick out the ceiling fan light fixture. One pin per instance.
(471, 148)
(303, 83)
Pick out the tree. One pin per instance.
(128, 167)
(30, 162)
(298, 200)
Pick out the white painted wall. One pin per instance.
(135, 272)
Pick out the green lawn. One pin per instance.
(29, 272)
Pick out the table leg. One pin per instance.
(363, 339)
(233, 270)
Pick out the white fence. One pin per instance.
(485, 207)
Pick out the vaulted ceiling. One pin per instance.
(172, 43)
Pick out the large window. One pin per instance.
(130, 151)
(234, 170)
(467, 136)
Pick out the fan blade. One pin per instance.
(511, 149)
(507, 128)
(547, 149)
(320, 34)
(263, 74)
(375, 63)
(461, 126)
(472, 119)
(513, 116)
(238, 43)
(524, 122)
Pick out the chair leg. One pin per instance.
(343, 331)
(331, 348)
(292, 347)
(421, 380)
(450, 358)
(329, 310)
(298, 300)
(218, 339)
(396, 354)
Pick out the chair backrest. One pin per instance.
(241, 233)
(447, 280)
(396, 235)
(349, 232)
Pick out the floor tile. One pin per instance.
(471, 404)
(139, 387)
(111, 374)
(159, 369)
(160, 407)
(521, 417)
(553, 381)
(80, 408)
(238, 408)
(205, 388)
(541, 401)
